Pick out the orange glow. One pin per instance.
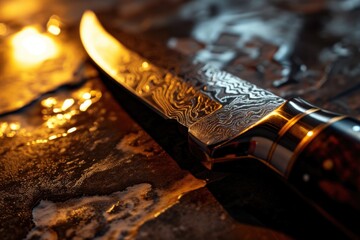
(14, 126)
(85, 105)
(53, 25)
(67, 104)
(3, 127)
(328, 164)
(49, 102)
(58, 112)
(89, 98)
(52, 137)
(71, 130)
(54, 30)
(30, 47)
(9, 129)
(15, 8)
(310, 133)
(145, 65)
(86, 95)
(3, 29)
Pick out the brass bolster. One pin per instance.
(285, 128)
(297, 123)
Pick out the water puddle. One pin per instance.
(115, 216)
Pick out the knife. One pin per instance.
(228, 119)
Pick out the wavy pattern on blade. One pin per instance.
(214, 104)
(163, 91)
(244, 104)
(232, 119)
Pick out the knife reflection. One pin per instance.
(228, 119)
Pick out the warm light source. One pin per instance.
(85, 105)
(55, 30)
(145, 65)
(30, 47)
(67, 104)
(71, 130)
(53, 25)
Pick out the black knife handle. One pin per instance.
(327, 170)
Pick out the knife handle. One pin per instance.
(326, 169)
(317, 151)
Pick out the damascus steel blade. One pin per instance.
(213, 104)
(163, 91)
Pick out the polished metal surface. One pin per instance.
(163, 91)
(216, 106)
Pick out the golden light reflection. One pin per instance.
(3, 127)
(71, 130)
(86, 95)
(89, 98)
(92, 129)
(59, 119)
(59, 112)
(53, 25)
(37, 141)
(111, 208)
(54, 30)
(85, 105)
(49, 102)
(59, 135)
(14, 126)
(9, 129)
(67, 104)
(52, 121)
(52, 137)
(145, 65)
(30, 47)
(310, 133)
(3, 29)
(59, 116)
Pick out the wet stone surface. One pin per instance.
(75, 165)
(75, 169)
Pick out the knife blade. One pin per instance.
(229, 118)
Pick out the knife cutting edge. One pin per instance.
(228, 118)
